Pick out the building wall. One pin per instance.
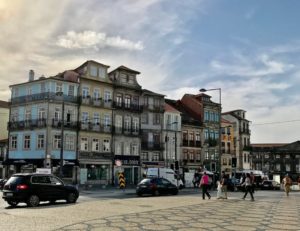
(4, 115)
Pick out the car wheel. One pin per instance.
(13, 203)
(156, 193)
(33, 201)
(71, 198)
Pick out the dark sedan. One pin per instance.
(31, 188)
(156, 186)
(270, 185)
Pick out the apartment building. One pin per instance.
(241, 137)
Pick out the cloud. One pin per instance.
(248, 66)
(92, 39)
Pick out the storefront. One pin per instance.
(130, 165)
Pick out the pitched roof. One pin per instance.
(125, 69)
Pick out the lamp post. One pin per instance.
(62, 135)
(220, 112)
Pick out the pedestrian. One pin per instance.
(248, 187)
(204, 184)
(219, 190)
(224, 183)
(287, 182)
(252, 177)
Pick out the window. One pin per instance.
(95, 145)
(41, 141)
(144, 156)
(198, 156)
(127, 148)
(27, 142)
(144, 118)
(43, 88)
(287, 167)
(206, 134)
(27, 114)
(58, 87)
(13, 142)
(41, 113)
(57, 142)
(84, 144)
(206, 155)
(84, 117)
(93, 70)
(156, 118)
(85, 92)
(119, 100)
(102, 72)
(287, 156)
(71, 90)
(191, 156)
(118, 148)
(155, 156)
(107, 123)
(135, 150)
(206, 116)
(191, 136)
(106, 145)
(107, 96)
(127, 101)
(278, 167)
(29, 91)
(97, 94)
(118, 123)
(57, 114)
(70, 142)
(146, 100)
(135, 125)
(127, 124)
(96, 119)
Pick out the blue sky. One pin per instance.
(249, 48)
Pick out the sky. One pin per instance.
(250, 49)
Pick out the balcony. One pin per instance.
(67, 124)
(97, 102)
(95, 127)
(126, 131)
(244, 131)
(154, 108)
(130, 107)
(46, 96)
(26, 124)
(152, 146)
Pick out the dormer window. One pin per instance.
(93, 71)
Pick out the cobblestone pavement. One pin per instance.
(267, 213)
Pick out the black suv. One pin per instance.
(32, 188)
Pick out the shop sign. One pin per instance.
(128, 160)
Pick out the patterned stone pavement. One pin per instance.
(281, 213)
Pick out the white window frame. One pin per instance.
(58, 87)
(106, 145)
(14, 142)
(95, 145)
(26, 143)
(40, 141)
(56, 141)
(84, 144)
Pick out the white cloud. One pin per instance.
(92, 39)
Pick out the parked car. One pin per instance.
(31, 188)
(2, 183)
(270, 184)
(156, 186)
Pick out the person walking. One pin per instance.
(287, 182)
(204, 184)
(248, 187)
(252, 177)
(224, 183)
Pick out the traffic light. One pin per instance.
(233, 162)
(176, 165)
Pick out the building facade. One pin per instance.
(152, 116)
(95, 127)
(42, 123)
(4, 117)
(241, 137)
(228, 152)
(127, 110)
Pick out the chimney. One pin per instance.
(31, 75)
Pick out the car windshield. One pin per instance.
(15, 180)
(145, 181)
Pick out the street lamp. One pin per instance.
(61, 134)
(220, 118)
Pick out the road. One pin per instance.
(117, 210)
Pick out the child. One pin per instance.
(219, 190)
